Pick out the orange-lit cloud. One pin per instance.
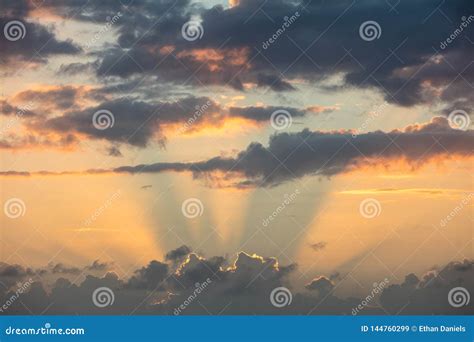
(217, 60)
(68, 111)
(295, 155)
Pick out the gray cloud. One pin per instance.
(293, 155)
(136, 122)
(242, 287)
(38, 43)
(11, 274)
(318, 245)
(402, 64)
(406, 64)
(178, 253)
(60, 268)
(322, 284)
(415, 296)
(147, 277)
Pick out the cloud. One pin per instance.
(242, 287)
(11, 274)
(178, 253)
(114, 151)
(197, 269)
(318, 245)
(407, 64)
(293, 155)
(62, 111)
(38, 42)
(148, 277)
(60, 268)
(430, 294)
(263, 113)
(321, 284)
(9, 109)
(99, 266)
(54, 98)
(38, 140)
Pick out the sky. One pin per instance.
(323, 148)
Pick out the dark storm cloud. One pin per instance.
(243, 287)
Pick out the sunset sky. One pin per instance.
(294, 133)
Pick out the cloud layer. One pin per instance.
(67, 112)
(25, 43)
(243, 287)
(289, 156)
(310, 41)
